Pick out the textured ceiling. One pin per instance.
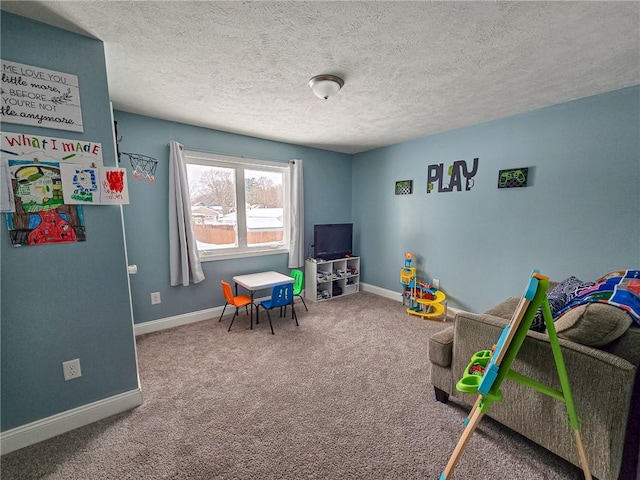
(411, 69)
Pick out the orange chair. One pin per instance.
(238, 301)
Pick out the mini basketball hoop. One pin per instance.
(144, 167)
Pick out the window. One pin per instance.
(239, 206)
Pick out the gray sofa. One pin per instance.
(604, 382)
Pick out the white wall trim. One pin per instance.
(60, 423)
(383, 292)
(214, 313)
(184, 319)
(178, 320)
(396, 295)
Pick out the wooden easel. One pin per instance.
(497, 367)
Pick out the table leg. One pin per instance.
(252, 310)
(257, 312)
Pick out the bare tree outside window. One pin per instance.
(215, 187)
(264, 206)
(263, 191)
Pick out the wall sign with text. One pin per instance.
(39, 97)
(51, 149)
(457, 176)
(80, 176)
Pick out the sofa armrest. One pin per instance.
(627, 346)
(441, 347)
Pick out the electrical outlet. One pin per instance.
(71, 369)
(155, 298)
(435, 283)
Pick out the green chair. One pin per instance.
(298, 284)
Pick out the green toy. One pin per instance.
(496, 364)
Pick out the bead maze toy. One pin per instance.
(422, 299)
(488, 368)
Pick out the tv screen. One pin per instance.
(332, 241)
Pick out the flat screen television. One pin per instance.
(332, 241)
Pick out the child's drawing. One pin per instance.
(80, 184)
(114, 185)
(40, 216)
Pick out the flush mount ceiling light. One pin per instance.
(325, 86)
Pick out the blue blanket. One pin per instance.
(621, 291)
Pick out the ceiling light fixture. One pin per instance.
(325, 86)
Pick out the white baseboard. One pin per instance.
(383, 292)
(183, 319)
(60, 423)
(209, 313)
(397, 296)
(177, 320)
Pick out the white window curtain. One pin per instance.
(184, 262)
(296, 223)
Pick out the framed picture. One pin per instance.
(404, 187)
(513, 177)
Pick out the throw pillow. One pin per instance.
(558, 297)
(593, 324)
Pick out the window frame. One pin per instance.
(239, 165)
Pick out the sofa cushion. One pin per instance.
(505, 309)
(440, 347)
(593, 324)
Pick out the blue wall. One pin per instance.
(327, 196)
(66, 301)
(579, 216)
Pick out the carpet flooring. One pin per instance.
(346, 395)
